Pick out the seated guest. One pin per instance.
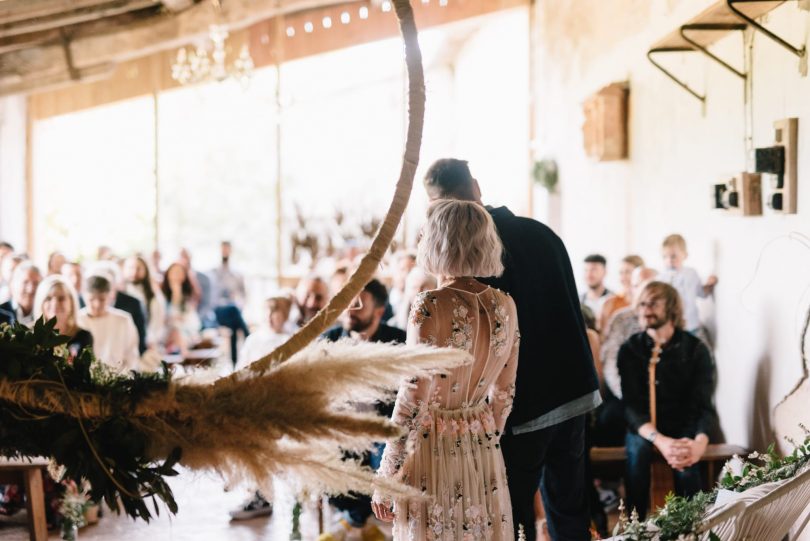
(56, 298)
(403, 262)
(684, 380)
(311, 295)
(182, 320)
(609, 425)
(72, 271)
(623, 298)
(55, 262)
(7, 266)
(416, 282)
(271, 335)
(363, 321)
(115, 338)
(121, 300)
(597, 294)
(139, 284)
(24, 281)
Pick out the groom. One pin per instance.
(543, 443)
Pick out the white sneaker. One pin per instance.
(256, 506)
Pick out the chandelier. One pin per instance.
(198, 66)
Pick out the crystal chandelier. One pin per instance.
(197, 66)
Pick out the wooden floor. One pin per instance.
(203, 515)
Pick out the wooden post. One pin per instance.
(35, 503)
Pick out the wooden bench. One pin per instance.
(609, 461)
(28, 472)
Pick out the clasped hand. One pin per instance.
(681, 453)
(382, 509)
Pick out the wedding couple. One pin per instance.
(479, 464)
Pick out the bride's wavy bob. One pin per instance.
(459, 239)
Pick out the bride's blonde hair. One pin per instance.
(459, 239)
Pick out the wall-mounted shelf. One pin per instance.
(717, 21)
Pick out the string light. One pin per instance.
(345, 18)
(290, 31)
(363, 12)
(442, 3)
(386, 6)
(308, 27)
(327, 22)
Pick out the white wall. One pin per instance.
(676, 153)
(12, 171)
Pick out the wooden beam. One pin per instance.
(153, 35)
(177, 5)
(60, 20)
(28, 41)
(20, 10)
(55, 80)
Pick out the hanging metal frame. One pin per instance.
(800, 52)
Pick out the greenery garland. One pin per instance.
(108, 452)
(681, 517)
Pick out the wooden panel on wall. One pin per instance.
(605, 128)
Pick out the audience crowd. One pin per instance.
(135, 313)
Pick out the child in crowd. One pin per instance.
(685, 280)
(270, 336)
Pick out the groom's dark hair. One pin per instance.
(449, 178)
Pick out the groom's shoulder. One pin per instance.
(506, 221)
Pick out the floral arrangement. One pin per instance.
(124, 434)
(680, 517)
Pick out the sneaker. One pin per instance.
(256, 506)
(609, 499)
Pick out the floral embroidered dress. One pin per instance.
(451, 451)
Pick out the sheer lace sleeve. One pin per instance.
(502, 392)
(413, 395)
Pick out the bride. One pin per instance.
(454, 421)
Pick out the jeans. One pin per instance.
(637, 481)
(230, 316)
(554, 459)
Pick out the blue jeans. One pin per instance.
(640, 454)
(230, 316)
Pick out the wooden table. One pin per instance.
(28, 472)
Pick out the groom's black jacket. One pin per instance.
(555, 365)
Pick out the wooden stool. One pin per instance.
(28, 472)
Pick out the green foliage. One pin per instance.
(109, 453)
(680, 517)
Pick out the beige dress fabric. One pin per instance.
(451, 451)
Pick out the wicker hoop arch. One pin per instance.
(382, 240)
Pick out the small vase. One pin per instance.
(70, 532)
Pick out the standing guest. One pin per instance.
(56, 298)
(597, 294)
(121, 300)
(311, 295)
(55, 262)
(686, 281)
(271, 335)
(23, 285)
(115, 338)
(623, 298)
(157, 268)
(139, 284)
(684, 382)
(544, 439)
(182, 320)
(455, 421)
(229, 286)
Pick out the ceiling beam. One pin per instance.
(20, 10)
(177, 5)
(149, 36)
(59, 20)
(56, 80)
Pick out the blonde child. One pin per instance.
(684, 279)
